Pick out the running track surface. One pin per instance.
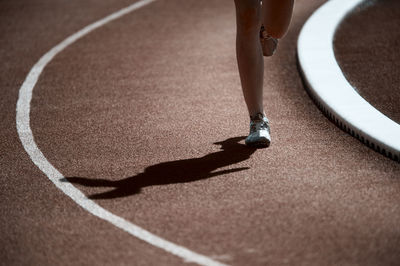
(141, 101)
(365, 49)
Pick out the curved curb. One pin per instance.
(27, 139)
(331, 91)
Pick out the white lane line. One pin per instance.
(27, 139)
(332, 91)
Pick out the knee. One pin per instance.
(248, 21)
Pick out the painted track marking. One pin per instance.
(330, 89)
(28, 142)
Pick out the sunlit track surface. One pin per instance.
(27, 139)
(332, 92)
(145, 116)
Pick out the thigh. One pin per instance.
(276, 16)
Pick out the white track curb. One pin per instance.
(330, 89)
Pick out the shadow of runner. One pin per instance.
(180, 171)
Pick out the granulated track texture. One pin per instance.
(150, 105)
(366, 49)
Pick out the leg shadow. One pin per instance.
(179, 171)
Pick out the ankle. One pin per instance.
(257, 114)
(256, 111)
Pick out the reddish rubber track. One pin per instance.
(372, 30)
(145, 98)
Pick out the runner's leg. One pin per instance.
(249, 54)
(276, 16)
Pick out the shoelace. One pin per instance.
(262, 125)
(258, 123)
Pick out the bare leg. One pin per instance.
(249, 54)
(276, 16)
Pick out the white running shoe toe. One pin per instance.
(259, 132)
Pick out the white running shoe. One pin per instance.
(259, 136)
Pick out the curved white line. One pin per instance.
(330, 88)
(27, 139)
